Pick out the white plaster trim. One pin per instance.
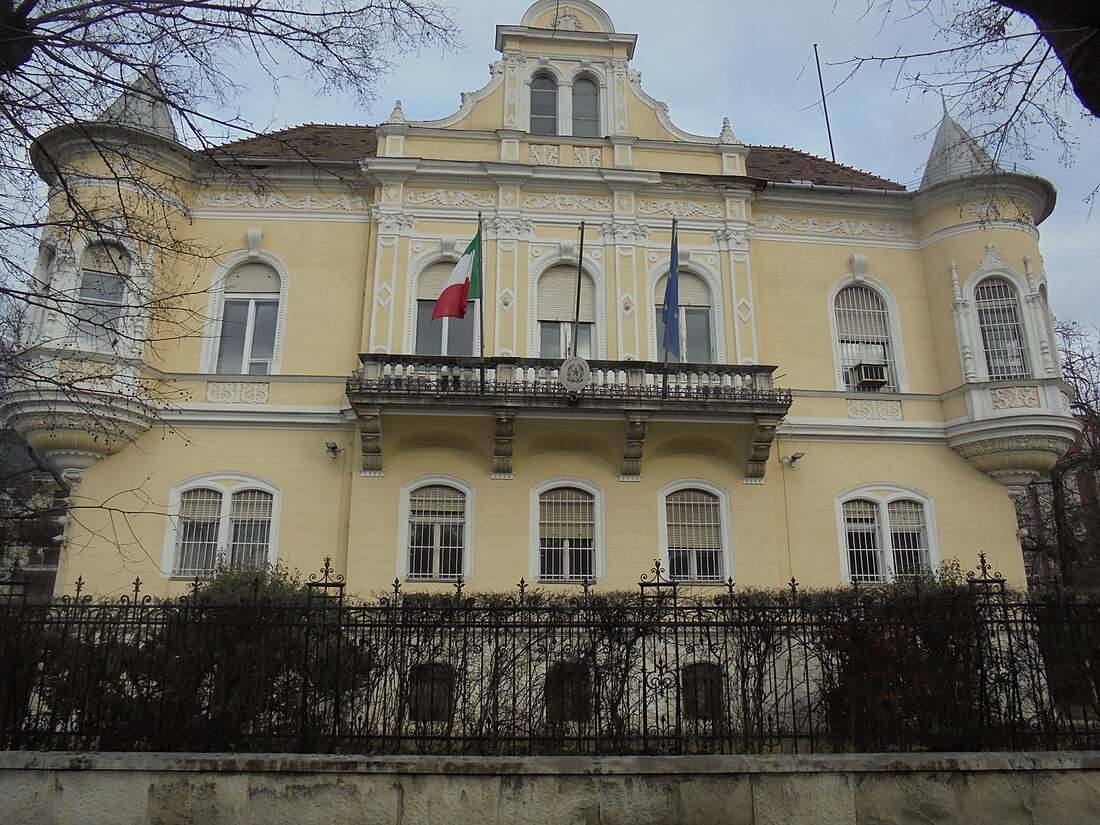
(216, 294)
(725, 529)
(883, 493)
(993, 267)
(887, 297)
(599, 544)
(838, 240)
(403, 525)
(226, 483)
(416, 268)
(717, 309)
(282, 416)
(973, 226)
(857, 430)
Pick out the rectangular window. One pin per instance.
(445, 336)
(695, 338)
(99, 313)
(864, 548)
(694, 534)
(247, 343)
(555, 338)
(567, 550)
(437, 522)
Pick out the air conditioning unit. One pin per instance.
(870, 376)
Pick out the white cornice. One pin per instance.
(841, 429)
(842, 240)
(280, 416)
(974, 226)
(880, 203)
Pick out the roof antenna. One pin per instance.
(824, 106)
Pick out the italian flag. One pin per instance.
(464, 283)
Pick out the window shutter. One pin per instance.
(252, 277)
(566, 513)
(692, 520)
(694, 291)
(860, 315)
(557, 295)
(430, 283)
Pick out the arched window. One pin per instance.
(696, 319)
(568, 693)
(998, 308)
(701, 694)
(693, 531)
(864, 348)
(557, 295)
(215, 525)
(431, 692)
(885, 539)
(437, 532)
(544, 105)
(567, 535)
(586, 108)
(446, 336)
(249, 320)
(104, 269)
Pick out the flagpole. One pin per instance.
(481, 299)
(577, 308)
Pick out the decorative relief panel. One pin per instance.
(587, 156)
(1005, 398)
(679, 209)
(567, 203)
(833, 227)
(544, 154)
(450, 197)
(625, 233)
(391, 222)
(237, 392)
(874, 409)
(252, 200)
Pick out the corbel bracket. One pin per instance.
(636, 426)
(762, 436)
(504, 436)
(370, 435)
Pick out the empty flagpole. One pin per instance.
(572, 349)
(481, 299)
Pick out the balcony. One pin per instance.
(507, 386)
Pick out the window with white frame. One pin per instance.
(998, 307)
(586, 108)
(556, 309)
(437, 532)
(249, 320)
(215, 526)
(885, 539)
(693, 535)
(104, 269)
(696, 319)
(544, 105)
(445, 336)
(864, 347)
(567, 534)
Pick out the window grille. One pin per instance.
(544, 105)
(568, 693)
(693, 529)
(861, 526)
(701, 691)
(431, 692)
(586, 108)
(863, 336)
(197, 541)
(908, 537)
(211, 524)
(250, 528)
(566, 535)
(437, 520)
(1002, 334)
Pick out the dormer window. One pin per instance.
(544, 105)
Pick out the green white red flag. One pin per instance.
(463, 285)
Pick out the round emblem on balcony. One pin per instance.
(574, 374)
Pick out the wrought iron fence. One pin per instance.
(655, 671)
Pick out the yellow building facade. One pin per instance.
(864, 374)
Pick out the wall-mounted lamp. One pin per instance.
(333, 449)
(791, 460)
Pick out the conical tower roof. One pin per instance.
(955, 155)
(142, 106)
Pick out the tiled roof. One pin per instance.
(328, 142)
(780, 164)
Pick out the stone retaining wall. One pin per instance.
(273, 789)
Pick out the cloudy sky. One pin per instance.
(753, 63)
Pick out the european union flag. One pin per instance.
(671, 313)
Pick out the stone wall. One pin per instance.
(273, 789)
